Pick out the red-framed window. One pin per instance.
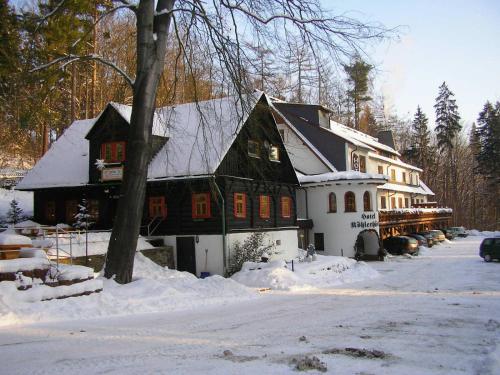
(50, 211)
(200, 205)
(350, 202)
(286, 207)
(71, 211)
(264, 206)
(157, 207)
(113, 152)
(240, 205)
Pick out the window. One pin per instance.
(355, 162)
(393, 202)
(367, 203)
(264, 206)
(319, 241)
(157, 207)
(350, 202)
(71, 211)
(200, 205)
(254, 149)
(383, 203)
(393, 175)
(407, 202)
(362, 163)
(286, 207)
(274, 153)
(416, 180)
(240, 205)
(93, 209)
(380, 169)
(332, 203)
(50, 211)
(400, 202)
(113, 152)
(404, 177)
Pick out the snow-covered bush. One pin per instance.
(83, 216)
(15, 213)
(251, 250)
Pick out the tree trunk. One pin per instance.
(150, 61)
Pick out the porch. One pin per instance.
(394, 222)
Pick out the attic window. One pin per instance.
(274, 153)
(253, 149)
(113, 152)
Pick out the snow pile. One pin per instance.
(339, 176)
(154, 289)
(74, 272)
(23, 264)
(325, 271)
(9, 237)
(475, 232)
(416, 210)
(74, 243)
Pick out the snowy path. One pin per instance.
(435, 314)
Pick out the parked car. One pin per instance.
(429, 237)
(459, 231)
(422, 241)
(490, 249)
(401, 245)
(449, 234)
(438, 235)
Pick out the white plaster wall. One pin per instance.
(339, 234)
(214, 260)
(302, 158)
(300, 196)
(284, 241)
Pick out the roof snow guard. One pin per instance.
(340, 176)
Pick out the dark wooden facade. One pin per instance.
(237, 173)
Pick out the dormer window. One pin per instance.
(113, 152)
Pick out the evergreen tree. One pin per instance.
(83, 217)
(15, 213)
(357, 73)
(420, 139)
(488, 135)
(447, 118)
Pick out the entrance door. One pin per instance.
(186, 260)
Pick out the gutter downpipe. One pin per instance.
(224, 244)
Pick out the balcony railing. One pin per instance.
(413, 216)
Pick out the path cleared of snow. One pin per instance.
(430, 314)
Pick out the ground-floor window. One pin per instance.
(264, 206)
(407, 203)
(286, 207)
(383, 203)
(240, 205)
(400, 202)
(367, 203)
(200, 205)
(350, 202)
(157, 207)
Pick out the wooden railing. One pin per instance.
(387, 218)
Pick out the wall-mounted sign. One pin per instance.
(112, 174)
(367, 221)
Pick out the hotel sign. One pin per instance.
(112, 174)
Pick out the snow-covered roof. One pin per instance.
(404, 188)
(200, 134)
(339, 176)
(66, 163)
(359, 138)
(393, 161)
(427, 190)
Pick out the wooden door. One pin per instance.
(186, 259)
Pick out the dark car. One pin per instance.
(490, 249)
(449, 234)
(422, 241)
(429, 237)
(401, 245)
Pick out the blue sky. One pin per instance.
(443, 40)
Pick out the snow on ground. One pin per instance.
(430, 314)
(24, 198)
(323, 272)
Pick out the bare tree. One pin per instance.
(223, 27)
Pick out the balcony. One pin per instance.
(393, 222)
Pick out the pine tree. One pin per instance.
(83, 217)
(15, 213)
(488, 132)
(420, 139)
(357, 73)
(447, 118)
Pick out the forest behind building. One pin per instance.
(460, 163)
